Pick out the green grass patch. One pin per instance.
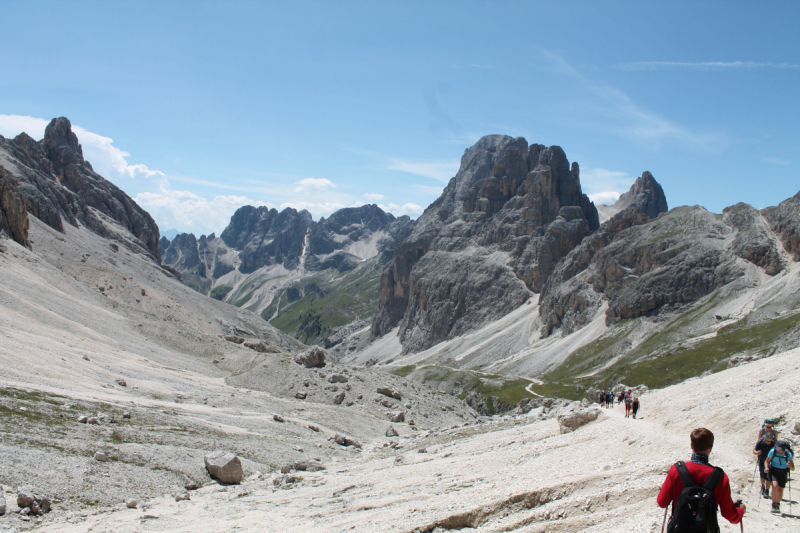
(590, 356)
(710, 354)
(220, 292)
(404, 371)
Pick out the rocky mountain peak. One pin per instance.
(646, 195)
(502, 223)
(61, 144)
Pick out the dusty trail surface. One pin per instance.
(509, 474)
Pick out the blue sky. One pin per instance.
(197, 108)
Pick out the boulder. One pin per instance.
(126, 414)
(399, 417)
(2, 503)
(300, 395)
(33, 500)
(181, 496)
(338, 378)
(391, 432)
(83, 419)
(339, 398)
(314, 357)
(261, 347)
(392, 393)
(306, 465)
(278, 418)
(131, 504)
(93, 420)
(570, 421)
(344, 440)
(225, 467)
(100, 456)
(121, 382)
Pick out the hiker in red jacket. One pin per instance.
(700, 472)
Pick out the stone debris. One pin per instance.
(100, 456)
(278, 418)
(391, 432)
(131, 504)
(83, 419)
(2, 503)
(225, 467)
(338, 378)
(399, 417)
(314, 357)
(300, 395)
(284, 480)
(93, 420)
(191, 485)
(339, 398)
(392, 393)
(312, 427)
(121, 382)
(306, 465)
(31, 501)
(181, 496)
(126, 414)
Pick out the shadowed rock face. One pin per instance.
(503, 222)
(182, 254)
(784, 220)
(59, 185)
(266, 237)
(13, 212)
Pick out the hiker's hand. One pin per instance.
(744, 508)
(766, 470)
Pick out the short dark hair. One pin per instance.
(702, 439)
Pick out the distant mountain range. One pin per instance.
(512, 274)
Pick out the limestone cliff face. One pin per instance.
(13, 209)
(784, 220)
(59, 185)
(501, 225)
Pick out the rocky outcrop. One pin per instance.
(784, 220)
(314, 357)
(753, 241)
(182, 254)
(59, 185)
(13, 209)
(501, 225)
(266, 237)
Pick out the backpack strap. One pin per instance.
(683, 472)
(713, 479)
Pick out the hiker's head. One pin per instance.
(768, 438)
(702, 440)
(768, 426)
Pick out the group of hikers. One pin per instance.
(696, 489)
(631, 401)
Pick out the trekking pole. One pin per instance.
(738, 503)
(752, 481)
(665, 519)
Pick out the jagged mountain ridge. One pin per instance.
(275, 263)
(58, 184)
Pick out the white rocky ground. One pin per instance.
(502, 474)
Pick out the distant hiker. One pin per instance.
(696, 489)
(762, 448)
(635, 406)
(621, 397)
(778, 463)
(767, 428)
(628, 405)
(609, 400)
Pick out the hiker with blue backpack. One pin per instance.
(696, 489)
(762, 448)
(778, 463)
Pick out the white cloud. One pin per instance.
(704, 65)
(317, 209)
(412, 210)
(187, 211)
(374, 196)
(604, 198)
(777, 161)
(13, 125)
(601, 181)
(313, 185)
(438, 170)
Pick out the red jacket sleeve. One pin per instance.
(667, 490)
(727, 510)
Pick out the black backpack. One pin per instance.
(695, 511)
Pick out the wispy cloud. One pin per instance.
(604, 198)
(777, 161)
(613, 110)
(604, 186)
(438, 170)
(374, 196)
(704, 65)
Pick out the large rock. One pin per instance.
(13, 209)
(34, 500)
(59, 185)
(499, 228)
(344, 440)
(2, 503)
(225, 467)
(570, 421)
(314, 357)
